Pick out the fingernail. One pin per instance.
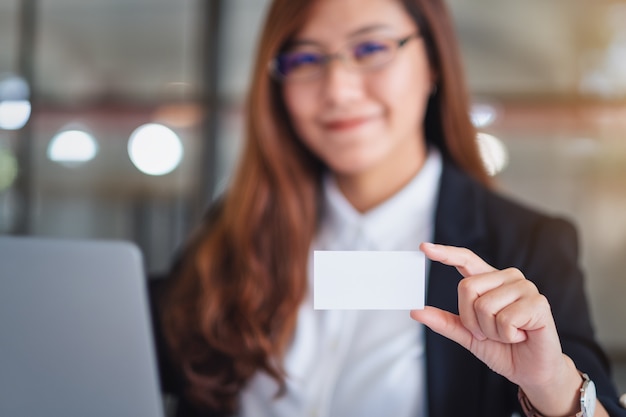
(429, 246)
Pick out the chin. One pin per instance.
(353, 167)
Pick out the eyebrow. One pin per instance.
(368, 29)
(361, 31)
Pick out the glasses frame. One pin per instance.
(343, 55)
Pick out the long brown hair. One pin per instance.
(233, 299)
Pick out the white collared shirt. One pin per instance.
(357, 363)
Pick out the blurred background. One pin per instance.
(121, 119)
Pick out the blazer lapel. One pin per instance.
(453, 374)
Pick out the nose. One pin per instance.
(342, 84)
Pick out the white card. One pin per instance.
(368, 280)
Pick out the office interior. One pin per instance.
(84, 82)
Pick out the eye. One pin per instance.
(368, 49)
(295, 62)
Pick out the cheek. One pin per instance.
(301, 108)
(405, 92)
(299, 104)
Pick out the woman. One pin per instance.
(358, 137)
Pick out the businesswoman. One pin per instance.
(358, 138)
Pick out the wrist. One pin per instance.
(556, 398)
(586, 407)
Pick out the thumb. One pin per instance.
(445, 323)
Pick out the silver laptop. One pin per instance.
(75, 333)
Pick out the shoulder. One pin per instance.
(505, 214)
(543, 245)
(505, 230)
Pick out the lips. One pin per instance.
(345, 124)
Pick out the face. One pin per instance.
(361, 121)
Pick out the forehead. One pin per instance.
(336, 20)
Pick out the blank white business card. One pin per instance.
(368, 280)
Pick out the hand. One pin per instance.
(506, 323)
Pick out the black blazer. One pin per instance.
(505, 234)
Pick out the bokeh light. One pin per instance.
(155, 149)
(483, 114)
(15, 107)
(72, 148)
(493, 152)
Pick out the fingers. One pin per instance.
(445, 323)
(464, 260)
(503, 319)
(483, 299)
(498, 305)
(515, 320)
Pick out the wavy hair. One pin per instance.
(233, 297)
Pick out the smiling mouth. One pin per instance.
(345, 124)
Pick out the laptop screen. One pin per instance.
(75, 334)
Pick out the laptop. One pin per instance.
(75, 332)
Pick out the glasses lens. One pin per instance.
(299, 65)
(372, 53)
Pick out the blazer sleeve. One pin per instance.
(552, 264)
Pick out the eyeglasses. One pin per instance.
(305, 63)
